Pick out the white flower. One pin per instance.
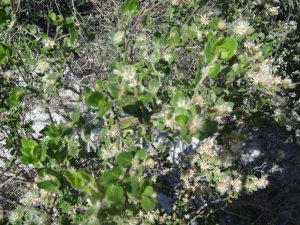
(242, 27)
(287, 82)
(224, 185)
(48, 43)
(204, 165)
(196, 124)
(167, 56)
(169, 122)
(14, 217)
(293, 25)
(251, 184)
(7, 75)
(141, 38)
(118, 37)
(112, 133)
(262, 182)
(198, 100)
(222, 188)
(30, 198)
(42, 66)
(274, 11)
(237, 185)
(223, 109)
(263, 77)
(129, 75)
(175, 2)
(109, 152)
(205, 20)
(222, 25)
(199, 34)
(250, 45)
(207, 146)
(266, 69)
(158, 101)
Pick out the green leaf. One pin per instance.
(174, 38)
(72, 145)
(73, 36)
(104, 107)
(8, 52)
(32, 29)
(29, 148)
(158, 39)
(43, 153)
(209, 53)
(154, 85)
(115, 193)
(124, 159)
(111, 176)
(211, 38)
(75, 116)
(53, 16)
(149, 200)
(133, 188)
(94, 99)
(127, 100)
(65, 206)
(177, 98)
(69, 21)
(78, 179)
(114, 90)
(148, 203)
(15, 96)
(129, 8)
(155, 56)
(208, 128)
(28, 143)
(226, 47)
(214, 71)
(148, 191)
(245, 63)
(184, 132)
(48, 185)
(146, 98)
(2, 54)
(181, 120)
(141, 154)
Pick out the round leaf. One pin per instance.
(227, 48)
(115, 193)
(124, 159)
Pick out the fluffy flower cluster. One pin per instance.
(222, 110)
(42, 66)
(215, 163)
(109, 152)
(128, 73)
(242, 27)
(37, 197)
(253, 183)
(263, 75)
(48, 43)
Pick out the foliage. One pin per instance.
(191, 76)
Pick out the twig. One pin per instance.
(195, 11)
(145, 12)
